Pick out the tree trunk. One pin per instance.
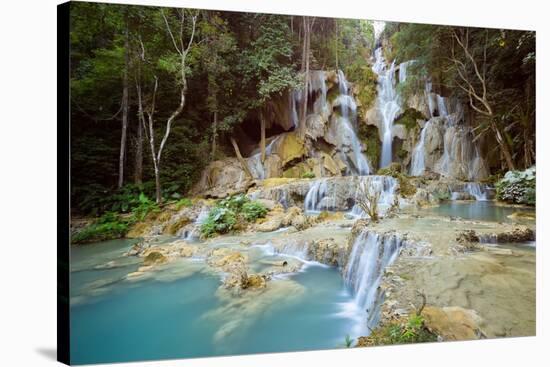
(138, 166)
(505, 149)
(214, 134)
(241, 159)
(262, 133)
(124, 111)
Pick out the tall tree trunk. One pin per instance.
(138, 166)
(262, 133)
(305, 69)
(124, 109)
(241, 159)
(214, 134)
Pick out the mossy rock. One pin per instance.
(173, 227)
(409, 118)
(290, 148)
(154, 258)
(370, 137)
(164, 216)
(139, 229)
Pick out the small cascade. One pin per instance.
(471, 189)
(403, 70)
(318, 197)
(254, 162)
(418, 164)
(328, 194)
(370, 255)
(317, 83)
(388, 102)
(194, 233)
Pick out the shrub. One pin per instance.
(108, 226)
(518, 187)
(144, 207)
(253, 210)
(411, 330)
(219, 220)
(308, 175)
(234, 203)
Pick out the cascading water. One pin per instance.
(388, 103)
(418, 164)
(318, 197)
(194, 233)
(348, 119)
(330, 194)
(472, 189)
(370, 255)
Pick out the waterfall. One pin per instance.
(347, 122)
(370, 255)
(461, 157)
(403, 70)
(418, 164)
(388, 103)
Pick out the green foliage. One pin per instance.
(364, 81)
(308, 174)
(183, 202)
(220, 220)
(228, 212)
(442, 195)
(235, 202)
(144, 207)
(411, 330)
(108, 226)
(518, 187)
(253, 210)
(348, 341)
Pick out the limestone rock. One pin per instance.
(453, 323)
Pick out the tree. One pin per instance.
(176, 63)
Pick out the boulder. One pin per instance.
(154, 258)
(453, 323)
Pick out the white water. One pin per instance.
(324, 194)
(388, 103)
(370, 255)
(318, 197)
(347, 121)
(418, 164)
(194, 234)
(474, 189)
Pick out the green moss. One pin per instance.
(364, 81)
(408, 118)
(407, 189)
(183, 202)
(308, 174)
(370, 138)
